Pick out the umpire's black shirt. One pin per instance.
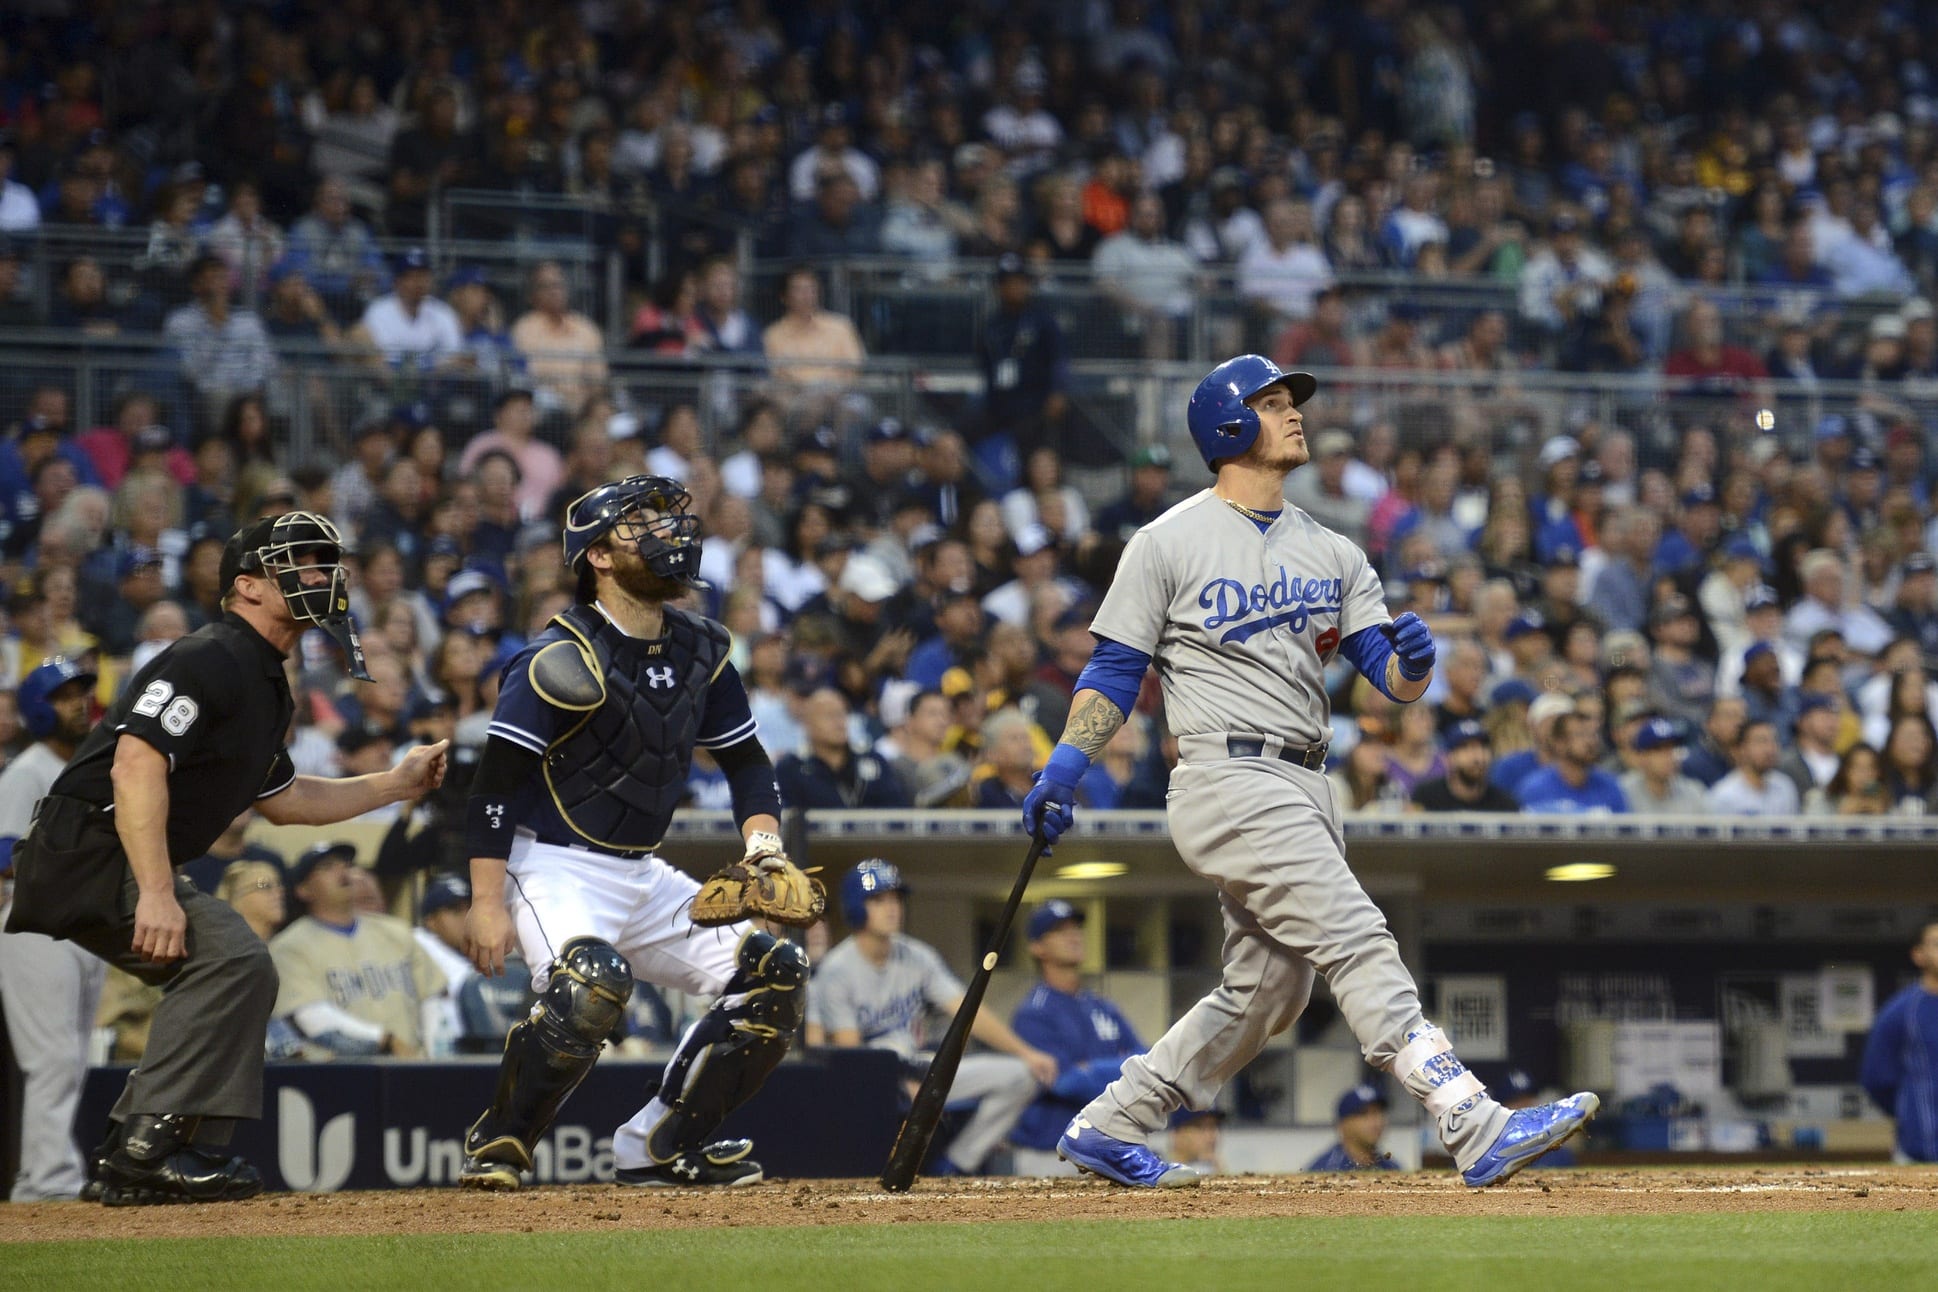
(217, 703)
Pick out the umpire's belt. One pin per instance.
(1199, 749)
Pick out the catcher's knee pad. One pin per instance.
(726, 1056)
(549, 1052)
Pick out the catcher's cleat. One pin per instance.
(1529, 1133)
(498, 1163)
(723, 1165)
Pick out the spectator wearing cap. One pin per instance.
(1756, 787)
(1763, 625)
(1321, 491)
(1563, 279)
(1360, 1120)
(333, 250)
(833, 146)
(481, 323)
(440, 933)
(514, 432)
(564, 351)
(1914, 611)
(1766, 697)
(223, 351)
(1698, 524)
(1708, 757)
(1025, 371)
(1543, 711)
(1465, 787)
(1681, 682)
(882, 483)
(1087, 1035)
(1036, 575)
(407, 328)
(138, 584)
(1724, 592)
(353, 982)
(837, 224)
(829, 773)
(1573, 785)
(1813, 760)
(1146, 499)
(1530, 647)
(1653, 785)
(809, 349)
(1825, 605)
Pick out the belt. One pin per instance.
(1312, 758)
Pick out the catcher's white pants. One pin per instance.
(640, 907)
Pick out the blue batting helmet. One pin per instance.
(669, 543)
(869, 878)
(1221, 424)
(35, 695)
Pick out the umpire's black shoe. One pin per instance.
(155, 1164)
(724, 1165)
(97, 1163)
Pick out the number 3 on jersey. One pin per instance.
(176, 717)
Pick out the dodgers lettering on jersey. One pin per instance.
(1241, 624)
(888, 1004)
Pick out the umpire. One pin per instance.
(196, 736)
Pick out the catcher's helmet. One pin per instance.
(1221, 424)
(669, 543)
(869, 878)
(274, 547)
(35, 695)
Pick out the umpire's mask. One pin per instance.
(274, 547)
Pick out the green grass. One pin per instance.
(1820, 1252)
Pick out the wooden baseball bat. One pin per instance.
(918, 1128)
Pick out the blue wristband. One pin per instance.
(1408, 673)
(1066, 766)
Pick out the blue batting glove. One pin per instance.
(1050, 807)
(1412, 646)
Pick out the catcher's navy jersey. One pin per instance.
(527, 720)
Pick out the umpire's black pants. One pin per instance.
(205, 1046)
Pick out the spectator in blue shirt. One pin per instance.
(1087, 1035)
(1511, 769)
(830, 773)
(1901, 1057)
(1361, 1119)
(1573, 785)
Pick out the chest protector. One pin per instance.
(618, 773)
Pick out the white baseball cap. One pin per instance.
(1548, 706)
(866, 577)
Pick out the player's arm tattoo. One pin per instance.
(1093, 721)
(1403, 688)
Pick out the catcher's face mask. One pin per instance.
(303, 554)
(648, 513)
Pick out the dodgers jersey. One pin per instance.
(1241, 624)
(890, 1004)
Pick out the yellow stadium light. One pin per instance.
(1577, 872)
(1092, 870)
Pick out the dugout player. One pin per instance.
(196, 737)
(1900, 1068)
(587, 757)
(879, 988)
(1088, 1036)
(1241, 601)
(50, 989)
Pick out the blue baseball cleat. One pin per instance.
(1120, 1161)
(1529, 1133)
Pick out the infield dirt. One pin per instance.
(1705, 1191)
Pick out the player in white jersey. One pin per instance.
(1241, 601)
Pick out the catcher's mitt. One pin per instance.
(763, 883)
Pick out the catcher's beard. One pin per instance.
(637, 580)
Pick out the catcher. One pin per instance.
(587, 757)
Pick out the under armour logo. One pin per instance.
(496, 811)
(658, 677)
(688, 1169)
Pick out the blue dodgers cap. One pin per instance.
(1658, 733)
(1833, 426)
(1700, 495)
(1512, 691)
(1359, 1099)
(412, 259)
(1761, 597)
(443, 892)
(1466, 732)
(1517, 1083)
(465, 276)
(1741, 547)
(1052, 913)
(1756, 651)
(1523, 624)
(1815, 702)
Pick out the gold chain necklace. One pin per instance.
(1259, 517)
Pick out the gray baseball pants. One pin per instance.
(1267, 834)
(49, 990)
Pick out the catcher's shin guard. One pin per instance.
(546, 1056)
(726, 1056)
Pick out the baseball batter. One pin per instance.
(589, 750)
(1241, 601)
